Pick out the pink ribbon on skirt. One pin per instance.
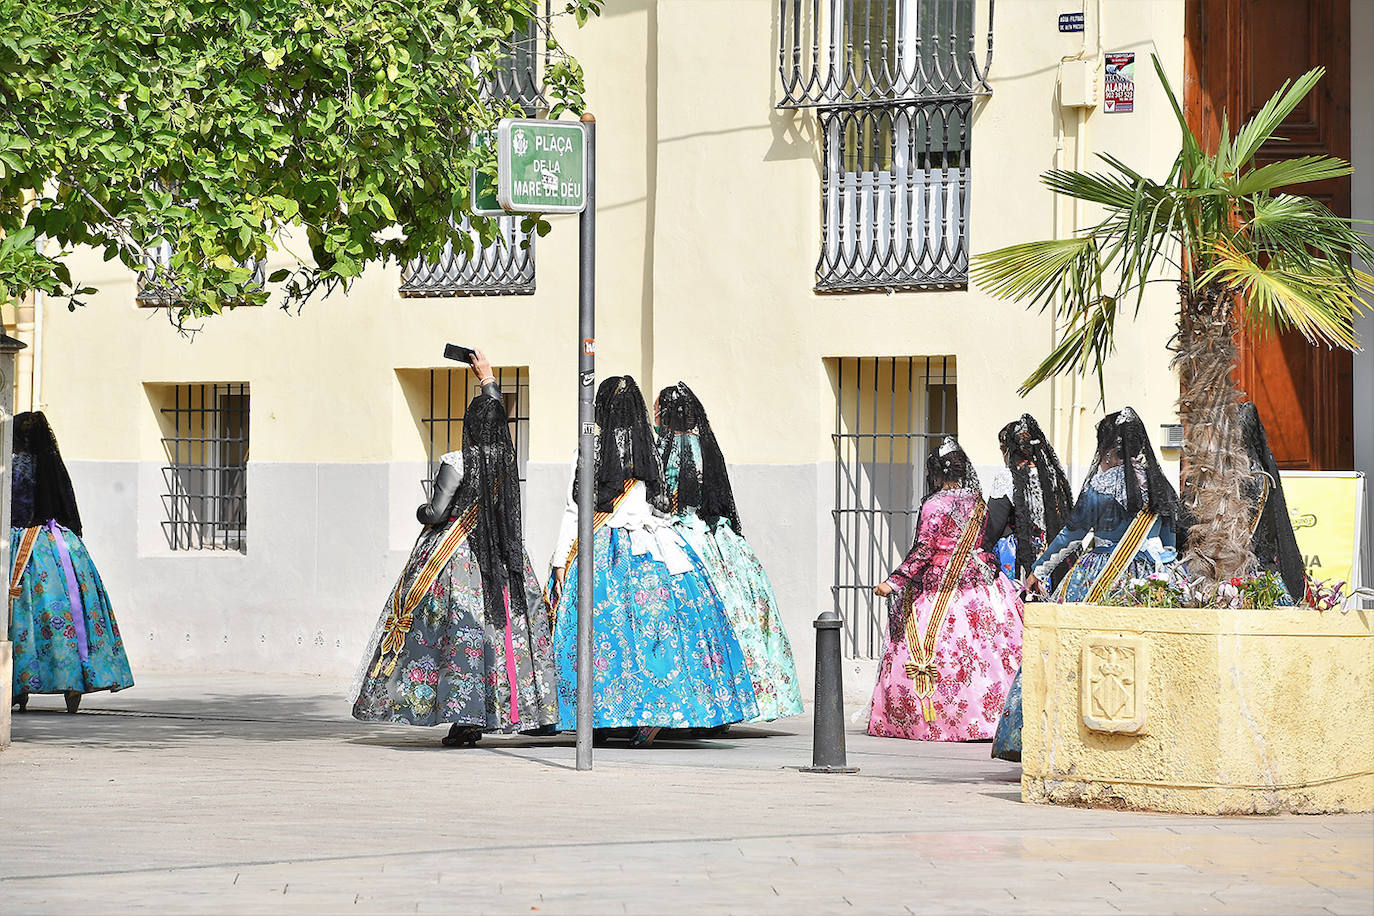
(510, 661)
(73, 589)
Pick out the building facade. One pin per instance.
(786, 212)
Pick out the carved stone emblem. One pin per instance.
(1114, 682)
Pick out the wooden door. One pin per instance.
(1238, 53)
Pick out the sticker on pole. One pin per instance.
(1118, 92)
(542, 166)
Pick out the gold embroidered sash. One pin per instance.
(1121, 556)
(21, 559)
(922, 669)
(402, 615)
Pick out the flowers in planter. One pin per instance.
(1261, 591)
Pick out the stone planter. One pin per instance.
(1198, 711)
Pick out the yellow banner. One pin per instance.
(1328, 512)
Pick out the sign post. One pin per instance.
(550, 167)
(586, 443)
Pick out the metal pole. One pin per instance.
(9, 349)
(586, 446)
(827, 740)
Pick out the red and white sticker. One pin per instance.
(589, 346)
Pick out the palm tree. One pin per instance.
(1239, 249)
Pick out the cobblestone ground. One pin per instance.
(236, 794)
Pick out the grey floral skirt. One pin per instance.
(446, 663)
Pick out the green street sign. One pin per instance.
(483, 189)
(542, 166)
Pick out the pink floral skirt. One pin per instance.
(977, 654)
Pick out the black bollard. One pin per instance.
(827, 741)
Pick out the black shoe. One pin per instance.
(462, 736)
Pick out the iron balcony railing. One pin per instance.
(895, 197)
(855, 52)
(505, 267)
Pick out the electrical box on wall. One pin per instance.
(1078, 83)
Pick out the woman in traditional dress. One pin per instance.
(703, 505)
(464, 637)
(954, 631)
(1272, 541)
(1028, 498)
(665, 655)
(64, 632)
(1129, 508)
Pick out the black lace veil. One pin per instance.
(1026, 446)
(491, 481)
(1123, 439)
(625, 445)
(1273, 543)
(41, 490)
(705, 489)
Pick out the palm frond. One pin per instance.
(1299, 170)
(1259, 129)
(1106, 190)
(1192, 150)
(1085, 343)
(1036, 271)
(1309, 296)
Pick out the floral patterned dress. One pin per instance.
(744, 587)
(448, 663)
(978, 644)
(61, 623)
(664, 653)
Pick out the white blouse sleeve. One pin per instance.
(567, 529)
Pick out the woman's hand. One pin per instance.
(558, 577)
(1034, 586)
(882, 590)
(481, 365)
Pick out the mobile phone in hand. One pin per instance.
(458, 354)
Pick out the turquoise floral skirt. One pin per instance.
(749, 602)
(63, 645)
(449, 664)
(1006, 743)
(663, 651)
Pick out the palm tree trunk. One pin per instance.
(1216, 469)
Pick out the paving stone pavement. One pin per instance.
(238, 793)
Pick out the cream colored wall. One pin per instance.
(708, 225)
(738, 228)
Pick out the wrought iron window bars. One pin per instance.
(450, 390)
(895, 197)
(855, 52)
(504, 266)
(890, 414)
(205, 438)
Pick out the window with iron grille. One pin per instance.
(505, 265)
(834, 53)
(893, 82)
(446, 400)
(895, 195)
(890, 414)
(158, 287)
(205, 480)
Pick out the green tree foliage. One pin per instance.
(338, 130)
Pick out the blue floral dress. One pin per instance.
(739, 578)
(664, 653)
(61, 623)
